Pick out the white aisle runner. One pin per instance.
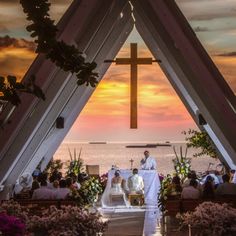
(138, 221)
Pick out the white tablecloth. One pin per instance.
(151, 186)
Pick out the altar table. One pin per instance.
(151, 186)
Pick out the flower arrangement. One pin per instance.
(13, 208)
(76, 163)
(67, 221)
(54, 166)
(103, 181)
(88, 193)
(165, 191)
(212, 219)
(11, 225)
(182, 164)
(89, 190)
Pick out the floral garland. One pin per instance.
(9, 88)
(67, 57)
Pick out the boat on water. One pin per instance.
(152, 145)
(97, 142)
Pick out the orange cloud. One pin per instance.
(15, 61)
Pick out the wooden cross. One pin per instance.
(133, 61)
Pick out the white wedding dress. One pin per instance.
(116, 188)
(114, 196)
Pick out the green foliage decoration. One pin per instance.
(65, 56)
(54, 166)
(9, 89)
(76, 163)
(89, 190)
(165, 191)
(200, 140)
(88, 193)
(182, 164)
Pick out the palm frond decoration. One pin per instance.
(76, 163)
(182, 164)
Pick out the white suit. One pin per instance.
(136, 184)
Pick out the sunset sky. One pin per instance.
(161, 115)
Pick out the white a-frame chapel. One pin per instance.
(99, 28)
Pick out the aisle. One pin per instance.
(134, 221)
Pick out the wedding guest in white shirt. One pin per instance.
(43, 192)
(148, 162)
(191, 191)
(62, 192)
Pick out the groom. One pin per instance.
(135, 183)
(148, 163)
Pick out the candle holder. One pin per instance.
(131, 163)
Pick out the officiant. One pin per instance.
(148, 162)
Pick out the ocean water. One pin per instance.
(106, 155)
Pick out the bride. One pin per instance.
(117, 184)
(115, 192)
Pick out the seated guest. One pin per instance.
(135, 183)
(35, 185)
(52, 178)
(69, 183)
(176, 188)
(43, 192)
(191, 191)
(25, 183)
(62, 192)
(215, 179)
(82, 177)
(148, 162)
(233, 176)
(74, 180)
(226, 188)
(187, 180)
(208, 191)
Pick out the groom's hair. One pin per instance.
(135, 171)
(117, 173)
